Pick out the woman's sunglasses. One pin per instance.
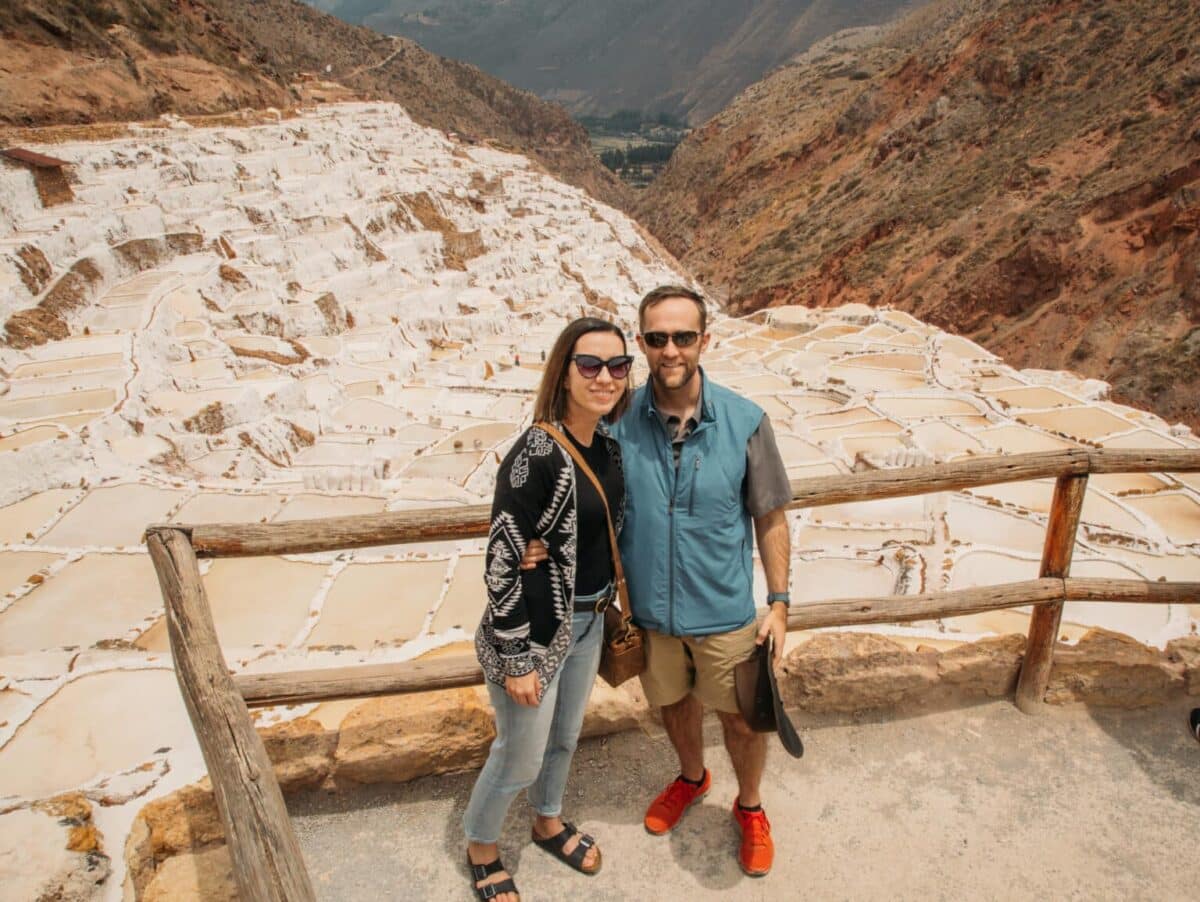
(658, 340)
(589, 365)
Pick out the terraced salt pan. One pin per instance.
(1176, 513)
(98, 598)
(875, 426)
(810, 537)
(378, 604)
(226, 507)
(834, 577)
(805, 404)
(463, 603)
(944, 440)
(1017, 439)
(52, 407)
(1078, 422)
(69, 366)
(863, 378)
(114, 516)
(912, 509)
(1099, 510)
(1154, 623)
(1141, 438)
(1123, 483)
(22, 438)
(72, 742)
(912, 363)
(918, 408)
(16, 567)
(255, 602)
(309, 507)
(1032, 398)
(26, 518)
(982, 525)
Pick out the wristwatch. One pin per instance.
(773, 597)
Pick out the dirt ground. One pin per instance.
(975, 803)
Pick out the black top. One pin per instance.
(526, 624)
(594, 569)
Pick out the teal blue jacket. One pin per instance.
(688, 539)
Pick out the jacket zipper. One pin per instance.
(671, 550)
(692, 490)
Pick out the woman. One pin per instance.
(540, 637)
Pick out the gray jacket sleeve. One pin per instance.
(767, 487)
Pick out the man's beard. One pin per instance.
(688, 371)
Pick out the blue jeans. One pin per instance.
(533, 746)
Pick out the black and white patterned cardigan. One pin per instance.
(526, 624)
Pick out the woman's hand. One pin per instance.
(523, 689)
(535, 553)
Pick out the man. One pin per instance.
(701, 470)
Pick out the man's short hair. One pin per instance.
(663, 292)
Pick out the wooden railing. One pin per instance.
(266, 857)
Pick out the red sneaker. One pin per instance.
(758, 849)
(666, 810)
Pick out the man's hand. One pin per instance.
(775, 626)
(535, 553)
(523, 689)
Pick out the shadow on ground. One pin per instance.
(980, 803)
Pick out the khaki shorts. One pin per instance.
(701, 665)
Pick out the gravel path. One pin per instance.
(979, 803)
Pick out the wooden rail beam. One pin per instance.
(364, 680)
(299, 686)
(948, 477)
(327, 534)
(1144, 460)
(443, 524)
(359, 681)
(929, 606)
(1056, 562)
(1131, 591)
(267, 863)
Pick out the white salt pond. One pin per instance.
(295, 375)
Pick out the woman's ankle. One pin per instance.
(482, 852)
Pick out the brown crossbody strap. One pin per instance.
(618, 571)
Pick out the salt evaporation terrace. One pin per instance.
(342, 312)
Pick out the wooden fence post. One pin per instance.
(267, 863)
(1056, 562)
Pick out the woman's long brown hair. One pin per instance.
(551, 402)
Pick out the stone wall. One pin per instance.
(846, 672)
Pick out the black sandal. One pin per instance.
(555, 844)
(490, 890)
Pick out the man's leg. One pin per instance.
(667, 682)
(715, 658)
(748, 753)
(683, 722)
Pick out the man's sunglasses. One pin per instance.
(658, 340)
(589, 365)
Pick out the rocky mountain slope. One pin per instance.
(83, 61)
(1025, 173)
(687, 57)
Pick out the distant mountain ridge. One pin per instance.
(1022, 172)
(685, 57)
(82, 61)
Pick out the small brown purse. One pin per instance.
(623, 654)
